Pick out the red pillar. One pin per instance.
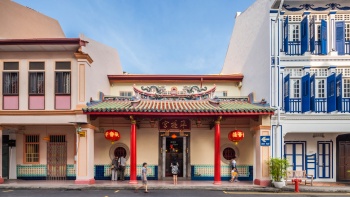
(217, 160)
(133, 179)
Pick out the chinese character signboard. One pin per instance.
(174, 124)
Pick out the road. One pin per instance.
(153, 193)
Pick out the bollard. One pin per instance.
(296, 183)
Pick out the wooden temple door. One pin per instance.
(57, 158)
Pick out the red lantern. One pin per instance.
(112, 135)
(236, 136)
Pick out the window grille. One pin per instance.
(319, 72)
(294, 72)
(229, 153)
(344, 71)
(31, 148)
(120, 151)
(125, 93)
(342, 17)
(293, 18)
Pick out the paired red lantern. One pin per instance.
(112, 135)
(236, 136)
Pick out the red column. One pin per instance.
(133, 179)
(217, 160)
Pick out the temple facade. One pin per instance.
(59, 97)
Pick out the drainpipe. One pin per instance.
(276, 76)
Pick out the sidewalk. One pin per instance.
(203, 185)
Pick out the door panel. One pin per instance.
(295, 153)
(341, 164)
(5, 156)
(324, 159)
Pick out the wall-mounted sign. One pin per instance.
(174, 124)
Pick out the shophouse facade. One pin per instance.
(302, 51)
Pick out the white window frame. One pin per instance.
(346, 88)
(293, 92)
(294, 32)
(317, 88)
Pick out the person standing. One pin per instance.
(143, 178)
(233, 163)
(114, 169)
(122, 164)
(175, 171)
(234, 175)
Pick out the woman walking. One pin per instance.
(175, 171)
(143, 178)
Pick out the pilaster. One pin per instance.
(85, 155)
(262, 155)
(1, 179)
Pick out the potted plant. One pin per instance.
(278, 170)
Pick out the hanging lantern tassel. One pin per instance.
(236, 136)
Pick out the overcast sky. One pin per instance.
(152, 36)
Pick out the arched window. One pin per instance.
(120, 151)
(229, 153)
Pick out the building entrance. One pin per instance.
(174, 148)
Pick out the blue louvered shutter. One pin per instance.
(331, 95)
(312, 35)
(285, 36)
(304, 31)
(340, 37)
(339, 92)
(305, 91)
(312, 93)
(323, 37)
(286, 86)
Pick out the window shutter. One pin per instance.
(305, 91)
(286, 31)
(312, 93)
(324, 37)
(339, 92)
(331, 95)
(286, 93)
(340, 37)
(312, 35)
(304, 31)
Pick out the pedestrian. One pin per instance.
(114, 169)
(233, 163)
(175, 171)
(234, 175)
(143, 178)
(122, 164)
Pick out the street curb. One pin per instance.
(171, 187)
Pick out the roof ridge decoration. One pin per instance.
(308, 6)
(154, 92)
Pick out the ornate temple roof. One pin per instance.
(192, 100)
(171, 106)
